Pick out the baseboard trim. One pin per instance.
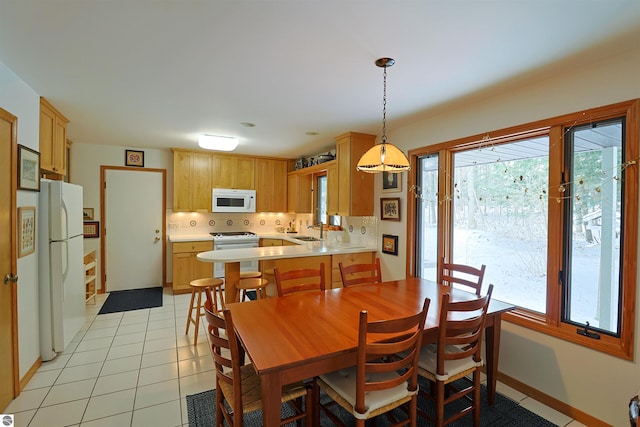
(30, 373)
(552, 402)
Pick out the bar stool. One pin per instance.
(199, 286)
(254, 284)
(247, 275)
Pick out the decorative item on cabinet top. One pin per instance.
(317, 159)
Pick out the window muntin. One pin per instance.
(593, 237)
(500, 218)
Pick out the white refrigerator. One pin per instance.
(60, 265)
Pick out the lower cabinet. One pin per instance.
(270, 242)
(348, 259)
(186, 267)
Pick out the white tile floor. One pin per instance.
(136, 369)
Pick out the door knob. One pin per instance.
(156, 240)
(10, 278)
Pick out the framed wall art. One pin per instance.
(28, 169)
(134, 158)
(87, 214)
(91, 229)
(390, 209)
(391, 182)
(390, 244)
(27, 232)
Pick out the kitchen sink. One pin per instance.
(307, 238)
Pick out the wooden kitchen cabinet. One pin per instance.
(232, 172)
(270, 242)
(355, 189)
(271, 185)
(186, 267)
(333, 189)
(191, 181)
(53, 139)
(348, 259)
(299, 192)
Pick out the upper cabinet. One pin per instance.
(271, 185)
(191, 181)
(195, 173)
(355, 189)
(53, 139)
(232, 172)
(299, 189)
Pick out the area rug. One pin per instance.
(505, 413)
(132, 299)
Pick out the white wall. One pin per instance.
(590, 381)
(21, 101)
(86, 160)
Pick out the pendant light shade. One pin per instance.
(384, 157)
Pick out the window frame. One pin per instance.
(549, 323)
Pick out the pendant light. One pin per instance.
(384, 157)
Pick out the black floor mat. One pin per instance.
(132, 299)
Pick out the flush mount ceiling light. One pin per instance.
(384, 157)
(217, 142)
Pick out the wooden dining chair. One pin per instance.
(238, 386)
(461, 274)
(306, 279)
(385, 376)
(356, 274)
(457, 354)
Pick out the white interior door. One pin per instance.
(134, 234)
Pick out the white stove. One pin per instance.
(234, 240)
(229, 237)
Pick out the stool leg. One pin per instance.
(189, 314)
(198, 313)
(220, 297)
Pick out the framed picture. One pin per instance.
(134, 158)
(28, 169)
(391, 182)
(87, 214)
(390, 209)
(91, 229)
(27, 232)
(390, 244)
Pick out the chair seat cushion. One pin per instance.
(343, 383)
(252, 393)
(429, 357)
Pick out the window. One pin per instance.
(500, 216)
(320, 190)
(551, 208)
(591, 273)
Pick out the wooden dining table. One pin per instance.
(299, 336)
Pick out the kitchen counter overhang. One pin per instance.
(274, 252)
(232, 258)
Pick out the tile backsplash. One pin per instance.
(356, 230)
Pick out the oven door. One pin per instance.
(218, 267)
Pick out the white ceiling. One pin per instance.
(157, 73)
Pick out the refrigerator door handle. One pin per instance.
(65, 265)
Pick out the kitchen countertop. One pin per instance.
(305, 249)
(291, 237)
(190, 238)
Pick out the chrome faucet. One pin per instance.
(321, 225)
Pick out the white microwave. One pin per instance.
(232, 200)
